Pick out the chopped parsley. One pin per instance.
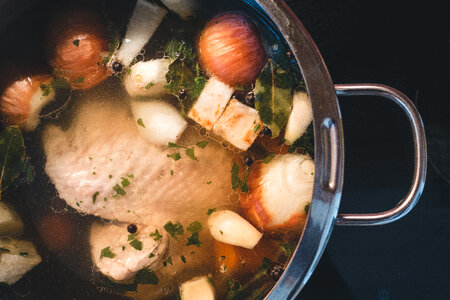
(307, 207)
(151, 255)
(195, 227)
(190, 153)
(171, 172)
(202, 144)
(4, 250)
(110, 176)
(256, 127)
(119, 190)
(132, 236)
(156, 235)
(90, 157)
(125, 182)
(194, 240)
(236, 182)
(183, 259)
(78, 80)
(106, 252)
(141, 123)
(268, 158)
(145, 276)
(175, 156)
(221, 232)
(136, 244)
(76, 42)
(148, 86)
(123, 248)
(173, 145)
(288, 249)
(168, 261)
(210, 211)
(130, 176)
(174, 229)
(46, 89)
(209, 182)
(94, 197)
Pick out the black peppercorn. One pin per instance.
(182, 94)
(117, 66)
(266, 131)
(250, 98)
(132, 228)
(276, 271)
(248, 160)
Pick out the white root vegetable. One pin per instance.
(121, 261)
(239, 124)
(198, 288)
(228, 227)
(37, 103)
(211, 103)
(16, 258)
(279, 192)
(158, 122)
(300, 117)
(143, 23)
(10, 222)
(184, 8)
(147, 78)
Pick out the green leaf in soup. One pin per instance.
(12, 155)
(273, 97)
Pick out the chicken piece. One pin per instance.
(10, 222)
(239, 124)
(120, 255)
(16, 258)
(211, 103)
(102, 166)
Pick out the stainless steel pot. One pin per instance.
(329, 145)
(329, 151)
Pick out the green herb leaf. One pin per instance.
(119, 190)
(156, 235)
(194, 240)
(12, 155)
(46, 89)
(288, 249)
(151, 255)
(4, 250)
(148, 86)
(132, 236)
(304, 144)
(94, 197)
(130, 176)
(268, 158)
(76, 42)
(141, 123)
(210, 211)
(78, 80)
(136, 244)
(168, 261)
(145, 276)
(235, 181)
(307, 206)
(190, 153)
(173, 145)
(175, 156)
(202, 144)
(195, 227)
(273, 97)
(183, 259)
(125, 182)
(106, 252)
(174, 229)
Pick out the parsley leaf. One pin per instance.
(194, 240)
(136, 244)
(156, 235)
(210, 211)
(141, 123)
(125, 182)
(106, 252)
(202, 144)
(288, 249)
(132, 236)
(168, 261)
(174, 145)
(94, 197)
(119, 190)
(307, 206)
(190, 153)
(175, 156)
(174, 229)
(183, 259)
(145, 276)
(236, 182)
(195, 227)
(76, 42)
(148, 86)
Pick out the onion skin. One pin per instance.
(231, 49)
(15, 100)
(80, 64)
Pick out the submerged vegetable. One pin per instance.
(10, 222)
(231, 49)
(77, 44)
(147, 78)
(300, 117)
(12, 156)
(199, 288)
(279, 192)
(23, 100)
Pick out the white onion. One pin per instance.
(300, 117)
(198, 288)
(157, 121)
(147, 78)
(228, 227)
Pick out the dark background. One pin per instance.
(405, 45)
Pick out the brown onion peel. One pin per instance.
(77, 44)
(231, 48)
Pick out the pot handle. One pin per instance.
(420, 154)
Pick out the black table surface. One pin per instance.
(402, 44)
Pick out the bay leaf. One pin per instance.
(12, 155)
(273, 96)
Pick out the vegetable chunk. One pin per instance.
(239, 124)
(147, 78)
(198, 288)
(10, 222)
(300, 117)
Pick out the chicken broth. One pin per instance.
(156, 164)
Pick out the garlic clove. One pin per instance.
(143, 23)
(279, 192)
(211, 103)
(198, 288)
(231, 48)
(23, 100)
(157, 121)
(147, 78)
(300, 117)
(239, 124)
(228, 227)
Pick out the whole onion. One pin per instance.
(77, 44)
(231, 49)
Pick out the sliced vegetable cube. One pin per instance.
(198, 288)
